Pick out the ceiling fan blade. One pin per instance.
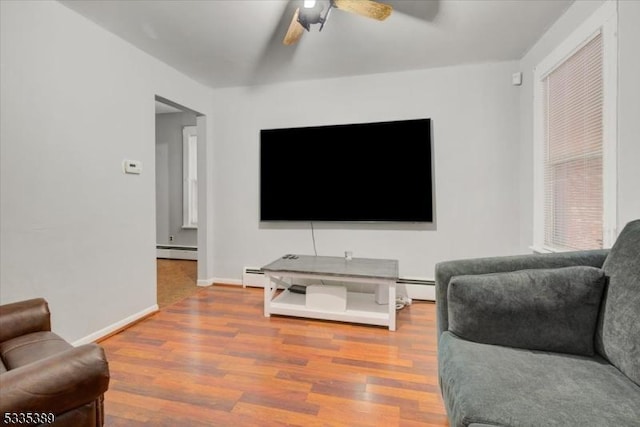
(295, 30)
(370, 9)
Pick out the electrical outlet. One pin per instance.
(171, 238)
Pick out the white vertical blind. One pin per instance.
(190, 177)
(573, 155)
(192, 173)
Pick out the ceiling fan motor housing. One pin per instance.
(314, 15)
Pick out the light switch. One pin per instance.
(133, 166)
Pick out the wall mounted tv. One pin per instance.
(364, 172)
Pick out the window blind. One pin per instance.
(573, 155)
(189, 177)
(192, 180)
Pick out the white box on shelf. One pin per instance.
(326, 297)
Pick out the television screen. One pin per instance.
(363, 172)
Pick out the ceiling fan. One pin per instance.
(317, 12)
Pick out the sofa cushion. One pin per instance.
(30, 348)
(546, 309)
(618, 331)
(495, 385)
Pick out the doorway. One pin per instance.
(176, 141)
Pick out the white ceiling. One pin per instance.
(223, 43)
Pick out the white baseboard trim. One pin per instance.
(176, 254)
(224, 281)
(204, 282)
(115, 326)
(219, 280)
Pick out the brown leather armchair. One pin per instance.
(43, 379)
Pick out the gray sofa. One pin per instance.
(542, 340)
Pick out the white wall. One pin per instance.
(76, 101)
(628, 112)
(169, 179)
(475, 138)
(628, 109)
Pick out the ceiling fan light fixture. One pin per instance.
(314, 15)
(317, 12)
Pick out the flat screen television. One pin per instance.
(363, 172)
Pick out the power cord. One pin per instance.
(313, 237)
(402, 302)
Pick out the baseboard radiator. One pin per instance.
(176, 252)
(253, 277)
(419, 289)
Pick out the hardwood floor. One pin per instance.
(213, 359)
(176, 280)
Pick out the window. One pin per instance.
(572, 101)
(189, 177)
(575, 140)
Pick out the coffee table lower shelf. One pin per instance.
(361, 308)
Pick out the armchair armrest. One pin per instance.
(56, 384)
(446, 270)
(24, 317)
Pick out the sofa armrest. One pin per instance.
(56, 384)
(446, 270)
(24, 317)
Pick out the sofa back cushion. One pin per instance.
(448, 269)
(546, 309)
(618, 330)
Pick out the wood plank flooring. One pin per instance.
(176, 280)
(213, 359)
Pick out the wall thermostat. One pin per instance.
(516, 79)
(133, 166)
